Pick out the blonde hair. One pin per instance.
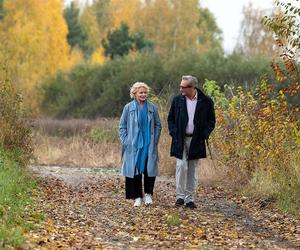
(134, 88)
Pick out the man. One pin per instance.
(191, 119)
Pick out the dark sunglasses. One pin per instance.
(184, 87)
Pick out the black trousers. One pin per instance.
(134, 186)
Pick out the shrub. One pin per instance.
(90, 91)
(257, 139)
(15, 132)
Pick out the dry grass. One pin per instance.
(87, 143)
(75, 151)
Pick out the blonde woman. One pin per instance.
(139, 131)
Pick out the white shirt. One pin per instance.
(191, 107)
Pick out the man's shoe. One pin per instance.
(137, 202)
(179, 202)
(191, 205)
(148, 199)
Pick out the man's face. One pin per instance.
(185, 88)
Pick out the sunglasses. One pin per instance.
(185, 87)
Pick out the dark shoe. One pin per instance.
(179, 202)
(191, 205)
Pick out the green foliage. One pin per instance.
(1, 9)
(212, 89)
(76, 35)
(120, 42)
(140, 43)
(286, 25)
(15, 134)
(211, 33)
(93, 91)
(173, 219)
(16, 201)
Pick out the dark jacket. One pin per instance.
(204, 124)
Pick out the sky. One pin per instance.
(228, 14)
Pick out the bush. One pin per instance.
(15, 132)
(257, 139)
(95, 91)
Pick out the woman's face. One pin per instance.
(141, 94)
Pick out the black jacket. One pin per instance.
(204, 124)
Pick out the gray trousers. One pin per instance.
(186, 175)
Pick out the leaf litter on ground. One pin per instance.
(88, 210)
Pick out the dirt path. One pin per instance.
(85, 209)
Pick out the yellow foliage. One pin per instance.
(171, 24)
(257, 134)
(98, 56)
(88, 21)
(76, 57)
(124, 11)
(35, 44)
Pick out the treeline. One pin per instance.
(44, 37)
(102, 90)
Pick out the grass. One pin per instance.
(285, 191)
(95, 143)
(288, 198)
(173, 219)
(16, 203)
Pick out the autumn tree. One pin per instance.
(121, 11)
(95, 22)
(254, 38)
(175, 26)
(285, 24)
(35, 44)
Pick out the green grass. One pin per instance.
(173, 219)
(16, 202)
(288, 198)
(281, 186)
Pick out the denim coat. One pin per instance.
(128, 132)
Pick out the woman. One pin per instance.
(139, 132)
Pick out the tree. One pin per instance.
(254, 38)
(140, 43)
(121, 11)
(120, 42)
(172, 25)
(95, 21)
(76, 35)
(1, 9)
(211, 34)
(35, 44)
(285, 24)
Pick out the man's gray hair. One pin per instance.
(193, 81)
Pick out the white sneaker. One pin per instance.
(148, 199)
(137, 202)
